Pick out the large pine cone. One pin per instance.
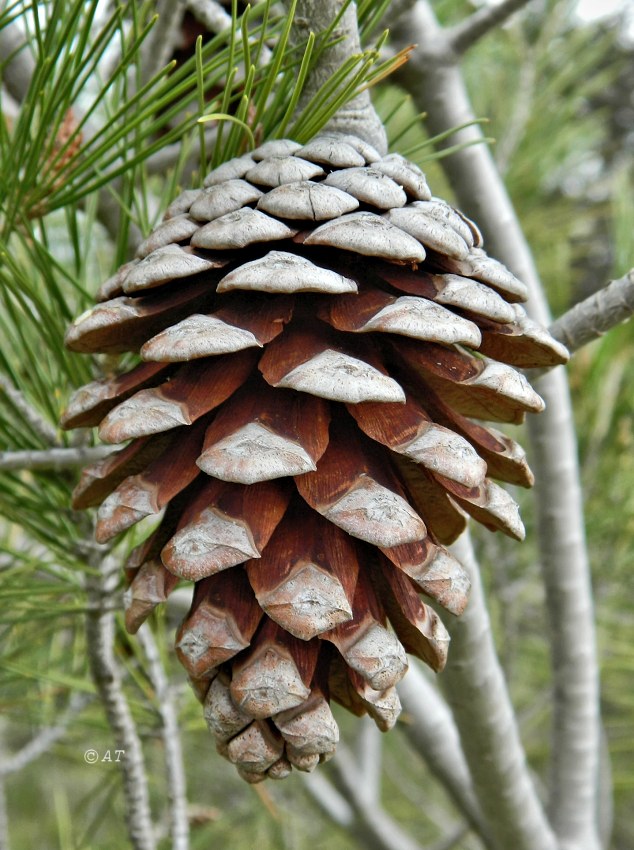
(304, 416)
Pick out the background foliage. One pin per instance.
(557, 93)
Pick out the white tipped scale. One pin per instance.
(306, 762)
(441, 450)
(406, 174)
(164, 264)
(446, 214)
(492, 506)
(239, 229)
(332, 151)
(310, 727)
(197, 336)
(340, 377)
(373, 513)
(147, 412)
(428, 231)
(151, 586)
(275, 147)
(307, 201)
(208, 641)
(370, 235)
(180, 228)
(255, 453)
(466, 294)
(101, 317)
(422, 319)
(256, 748)
(181, 204)
(492, 272)
(434, 571)
(209, 544)
(280, 770)
(443, 578)
(281, 272)
(307, 602)
(524, 343)
(384, 707)
(216, 201)
(365, 149)
(123, 508)
(508, 382)
(277, 170)
(112, 288)
(268, 683)
(231, 170)
(224, 719)
(369, 186)
(376, 655)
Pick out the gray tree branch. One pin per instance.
(36, 422)
(55, 459)
(106, 675)
(487, 18)
(164, 38)
(357, 117)
(437, 87)
(476, 691)
(376, 829)
(597, 314)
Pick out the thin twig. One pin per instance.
(369, 747)
(598, 314)
(44, 430)
(45, 738)
(106, 675)
(332, 803)
(55, 459)
(170, 732)
(373, 824)
(432, 732)
(464, 35)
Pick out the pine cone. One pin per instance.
(317, 336)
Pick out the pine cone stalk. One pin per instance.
(321, 343)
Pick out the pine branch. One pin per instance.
(18, 70)
(487, 18)
(357, 116)
(170, 733)
(331, 802)
(212, 15)
(44, 430)
(164, 38)
(432, 733)
(373, 825)
(438, 87)
(106, 675)
(56, 459)
(598, 314)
